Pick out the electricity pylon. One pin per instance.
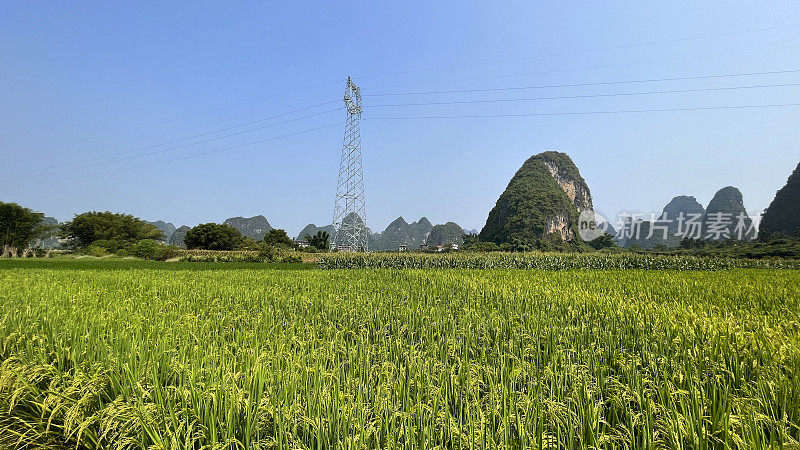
(349, 210)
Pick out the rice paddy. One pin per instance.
(173, 356)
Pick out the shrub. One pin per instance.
(267, 252)
(249, 244)
(146, 249)
(95, 250)
(169, 252)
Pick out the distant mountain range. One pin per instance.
(400, 232)
(638, 233)
(724, 218)
(397, 233)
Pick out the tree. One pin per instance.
(469, 240)
(277, 237)
(213, 236)
(248, 244)
(19, 226)
(484, 247)
(604, 241)
(116, 230)
(320, 241)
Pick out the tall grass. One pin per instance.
(144, 358)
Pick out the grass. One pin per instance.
(123, 354)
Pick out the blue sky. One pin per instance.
(83, 80)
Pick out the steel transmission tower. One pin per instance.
(349, 210)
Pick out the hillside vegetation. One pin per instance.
(783, 214)
(535, 210)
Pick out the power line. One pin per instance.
(562, 113)
(564, 97)
(583, 51)
(602, 83)
(300, 90)
(571, 113)
(576, 52)
(481, 78)
(180, 158)
(54, 172)
(83, 166)
(575, 69)
(167, 149)
(487, 90)
(212, 122)
(112, 155)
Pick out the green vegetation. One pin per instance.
(112, 354)
(107, 230)
(19, 227)
(544, 261)
(104, 233)
(783, 214)
(776, 246)
(531, 202)
(604, 241)
(118, 264)
(153, 250)
(266, 254)
(319, 241)
(213, 236)
(277, 237)
(312, 229)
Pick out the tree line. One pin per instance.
(100, 233)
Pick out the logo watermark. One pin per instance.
(653, 226)
(590, 228)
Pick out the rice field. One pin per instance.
(173, 356)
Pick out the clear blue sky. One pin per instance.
(82, 80)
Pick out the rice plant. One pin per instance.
(127, 356)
